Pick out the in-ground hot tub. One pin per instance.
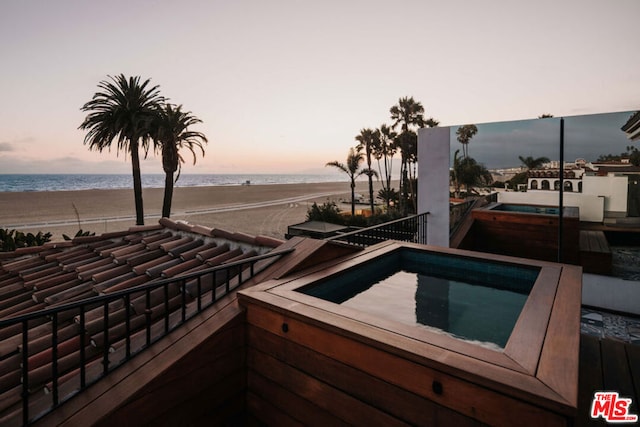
(528, 231)
(483, 337)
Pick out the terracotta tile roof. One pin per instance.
(35, 278)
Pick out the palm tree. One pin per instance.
(122, 110)
(366, 142)
(532, 163)
(351, 168)
(470, 173)
(409, 115)
(171, 133)
(385, 148)
(465, 133)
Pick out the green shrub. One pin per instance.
(10, 240)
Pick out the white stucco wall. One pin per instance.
(591, 207)
(433, 183)
(614, 188)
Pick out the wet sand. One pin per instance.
(253, 209)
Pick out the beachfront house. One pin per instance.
(183, 324)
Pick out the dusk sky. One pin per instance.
(285, 86)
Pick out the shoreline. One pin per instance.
(256, 209)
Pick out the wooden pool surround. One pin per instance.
(534, 381)
(525, 234)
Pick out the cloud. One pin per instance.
(6, 146)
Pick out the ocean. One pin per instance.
(44, 182)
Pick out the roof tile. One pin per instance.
(88, 274)
(127, 250)
(111, 273)
(72, 266)
(90, 266)
(193, 252)
(99, 288)
(68, 294)
(144, 257)
(177, 251)
(205, 231)
(155, 272)
(40, 295)
(129, 283)
(208, 253)
(155, 237)
(144, 228)
(155, 245)
(181, 268)
(219, 259)
(142, 268)
(53, 280)
(175, 243)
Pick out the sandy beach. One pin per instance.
(253, 209)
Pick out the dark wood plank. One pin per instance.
(615, 369)
(369, 389)
(472, 399)
(267, 414)
(559, 359)
(323, 395)
(220, 402)
(590, 378)
(633, 357)
(292, 404)
(527, 338)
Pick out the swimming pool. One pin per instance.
(304, 320)
(466, 298)
(528, 231)
(544, 210)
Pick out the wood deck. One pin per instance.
(595, 255)
(606, 365)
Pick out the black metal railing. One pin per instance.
(410, 229)
(131, 321)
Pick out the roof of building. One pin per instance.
(36, 278)
(605, 169)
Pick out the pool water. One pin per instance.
(545, 210)
(467, 298)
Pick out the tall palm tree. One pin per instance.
(122, 111)
(351, 168)
(366, 142)
(385, 148)
(171, 132)
(409, 115)
(465, 133)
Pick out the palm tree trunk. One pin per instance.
(370, 182)
(168, 194)
(404, 192)
(137, 182)
(353, 197)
